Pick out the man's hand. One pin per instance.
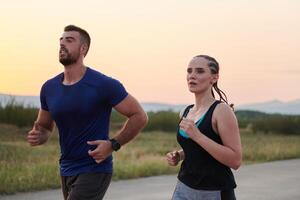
(38, 135)
(102, 151)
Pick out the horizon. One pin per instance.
(269, 107)
(147, 45)
(186, 103)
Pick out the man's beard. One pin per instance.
(69, 59)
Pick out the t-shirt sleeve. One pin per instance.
(116, 92)
(43, 101)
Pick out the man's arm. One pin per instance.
(137, 119)
(42, 129)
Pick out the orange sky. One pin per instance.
(147, 45)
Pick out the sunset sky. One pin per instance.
(148, 44)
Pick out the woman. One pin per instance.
(209, 136)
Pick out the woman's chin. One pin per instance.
(192, 90)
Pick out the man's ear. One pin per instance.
(84, 49)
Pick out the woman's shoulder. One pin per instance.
(223, 110)
(184, 110)
(223, 105)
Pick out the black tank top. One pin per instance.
(200, 170)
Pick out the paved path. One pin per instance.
(278, 180)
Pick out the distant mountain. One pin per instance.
(32, 101)
(275, 106)
(290, 108)
(154, 107)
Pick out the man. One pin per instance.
(80, 101)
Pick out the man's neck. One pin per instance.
(73, 73)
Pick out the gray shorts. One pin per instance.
(89, 186)
(183, 192)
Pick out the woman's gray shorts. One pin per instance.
(183, 192)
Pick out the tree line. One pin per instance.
(167, 121)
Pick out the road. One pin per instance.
(279, 180)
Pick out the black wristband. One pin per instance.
(115, 145)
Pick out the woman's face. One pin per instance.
(199, 77)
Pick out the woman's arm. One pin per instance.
(230, 153)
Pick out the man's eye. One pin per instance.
(189, 70)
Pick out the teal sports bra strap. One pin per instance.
(181, 132)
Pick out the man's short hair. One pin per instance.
(84, 35)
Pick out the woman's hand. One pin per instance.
(173, 158)
(189, 127)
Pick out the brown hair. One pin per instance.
(84, 35)
(214, 68)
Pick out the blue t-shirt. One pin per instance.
(82, 113)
